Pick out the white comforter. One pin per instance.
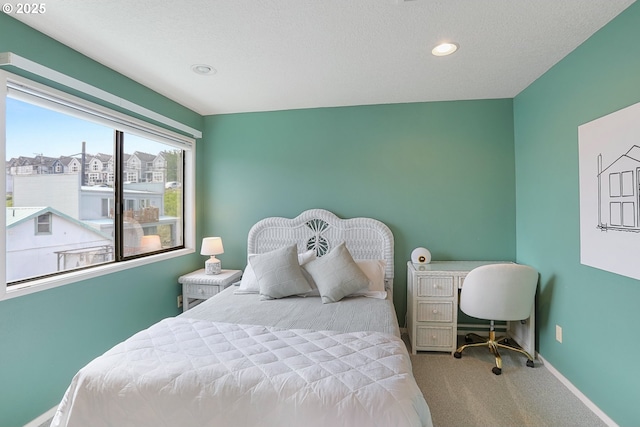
(186, 372)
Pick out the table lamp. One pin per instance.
(212, 246)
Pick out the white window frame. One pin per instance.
(119, 121)
(109, 202)
(47, 223)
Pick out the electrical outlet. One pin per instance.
(179, 301)
(558, 333)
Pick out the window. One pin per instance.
(43, 224)
(614, 184)
(628, 214)
(627, 183)
(615, 213)
(108, 209)
(622, 214)
(100, 216)
(621, 184)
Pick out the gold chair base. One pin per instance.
(493, 344)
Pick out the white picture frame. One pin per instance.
(609, 175)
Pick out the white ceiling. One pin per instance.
(290, 54)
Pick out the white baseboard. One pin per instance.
(42, 418)
(573, 389)
(584, 399)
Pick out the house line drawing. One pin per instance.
(619, 193)
(609, 176)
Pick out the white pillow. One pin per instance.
(279, 274)
(306, 257)
(337, 275)
(374, 269)
(249, 282)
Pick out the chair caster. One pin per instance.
(530, 363)
(496, 370)
(457, 355)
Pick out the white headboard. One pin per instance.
(319, 229)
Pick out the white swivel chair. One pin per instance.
(498, 292)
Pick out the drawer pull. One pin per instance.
(433, 337)
(435, 311)
(201, 291)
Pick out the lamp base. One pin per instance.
(212, 266)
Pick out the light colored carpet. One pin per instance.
(464, 392)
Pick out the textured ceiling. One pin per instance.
(289, 54)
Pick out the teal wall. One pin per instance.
(440, 175)
(596, 309)
(47, 336)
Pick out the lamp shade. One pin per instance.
(150, 243)
(211, 246)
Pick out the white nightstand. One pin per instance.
(199, 286)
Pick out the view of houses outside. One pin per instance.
(60, 196)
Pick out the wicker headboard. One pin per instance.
(319, 229)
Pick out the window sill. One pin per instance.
(77, 276)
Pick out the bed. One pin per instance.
(273, 350)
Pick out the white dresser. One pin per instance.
(432, 306)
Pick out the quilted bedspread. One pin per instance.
(187, 372)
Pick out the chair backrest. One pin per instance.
(499, 292)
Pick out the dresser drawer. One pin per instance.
(430, 311)
(435, 286)
(434, 336)
(201, 291)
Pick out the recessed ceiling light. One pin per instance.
(203, 69)
(444, 49)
